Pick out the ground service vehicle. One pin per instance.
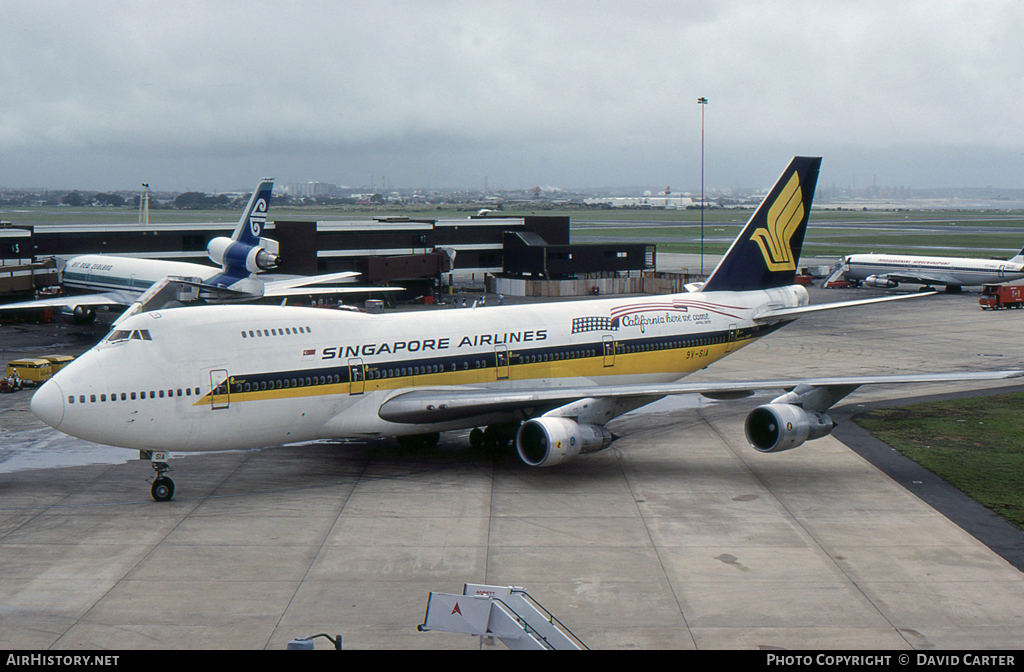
(994, 297)
(31, 371)
(58, 362)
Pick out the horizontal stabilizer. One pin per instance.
(778, 314)
(321, 291)
(310, 280)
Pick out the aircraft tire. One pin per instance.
(163, 489)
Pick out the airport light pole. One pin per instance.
(702, 101)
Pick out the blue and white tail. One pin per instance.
(246, 252)
(765, 253)
(254, 217)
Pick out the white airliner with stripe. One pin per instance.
(548, 376)
(889, 270)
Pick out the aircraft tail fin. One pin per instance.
(1017, 258)
(765, 253)
(254, 217)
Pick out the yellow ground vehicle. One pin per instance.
(35, 371)
(58, 361)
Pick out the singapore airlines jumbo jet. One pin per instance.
(122, 281)
(549, 375)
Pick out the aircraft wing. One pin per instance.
(447, 404)
(770, 315)
(116, 298)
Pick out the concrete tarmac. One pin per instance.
(679, 536)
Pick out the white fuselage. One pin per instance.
(932, 270)
(220, 377)
(104, 273)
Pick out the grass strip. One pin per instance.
(975, 444)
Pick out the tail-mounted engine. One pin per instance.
(776, 427)
(547, 441)
(233, 254)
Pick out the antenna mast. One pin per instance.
(144, 206)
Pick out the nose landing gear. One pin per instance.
(163, 487)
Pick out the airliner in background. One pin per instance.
(121, 281)
(889, 270)
(547, 376)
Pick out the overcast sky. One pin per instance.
(214, 95)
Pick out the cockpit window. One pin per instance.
(124, 335)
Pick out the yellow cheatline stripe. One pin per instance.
(682, 361)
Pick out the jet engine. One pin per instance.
(231, 253)
(547, 441)
(83, 314)
(879, 281)
(773, 428)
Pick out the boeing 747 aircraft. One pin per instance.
(889, 270)
(550, 375)
(121, 281)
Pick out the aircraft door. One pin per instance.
(608, 343)
(731, 342)
(501, 361)
(356, 376)
(220, 389)
(1002, 270)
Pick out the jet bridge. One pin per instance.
(505, 612)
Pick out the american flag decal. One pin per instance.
(307, 353)
(582, 324)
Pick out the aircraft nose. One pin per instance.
(48, 404)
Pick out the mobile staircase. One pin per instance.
(835, 273)
(505, 612)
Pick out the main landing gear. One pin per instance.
(163, 487)
(495, 438)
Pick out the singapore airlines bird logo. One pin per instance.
(784, 219)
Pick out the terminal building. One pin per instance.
(513, 255)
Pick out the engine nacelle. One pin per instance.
(776, 427)
(83, 314)
(545, 442)
(879, 281)
(232, 254)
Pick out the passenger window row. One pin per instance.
(133, 396)
(555, 356)
(624, 348)
(284, 383)
(287, 331)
